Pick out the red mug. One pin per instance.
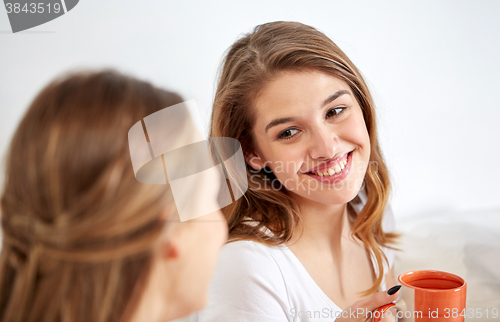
(428, 296)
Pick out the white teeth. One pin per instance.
(336, 169)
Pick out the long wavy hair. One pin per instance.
(249, 65)
(78, 228)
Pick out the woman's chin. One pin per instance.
(327, 197)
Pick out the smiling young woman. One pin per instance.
(313, 233)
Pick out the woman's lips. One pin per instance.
(337, 176)
(328, 165)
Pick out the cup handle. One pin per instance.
(382, 309)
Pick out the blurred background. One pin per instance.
(432, 67)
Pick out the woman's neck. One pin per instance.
(157, 302)
(323, 227)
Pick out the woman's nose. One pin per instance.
(323, 144)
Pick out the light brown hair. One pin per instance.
(252, 62)
(78, 228)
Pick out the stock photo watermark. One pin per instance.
(168, 146)
(360, 313)
(24, 14)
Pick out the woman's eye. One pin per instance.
(287, 134)
(333, 112)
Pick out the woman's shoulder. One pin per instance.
(247, 260)
(247, 285)
(245, 254)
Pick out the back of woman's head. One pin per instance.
(78, 228)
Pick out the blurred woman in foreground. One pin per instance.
(83, 240)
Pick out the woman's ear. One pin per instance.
(255, 161)
(174, 242)
(171, 249)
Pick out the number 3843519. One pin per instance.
(34, 7)
(471, 313)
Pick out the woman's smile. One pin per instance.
(332, 171)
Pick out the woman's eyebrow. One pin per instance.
(279, 121)
(330, 99)
(334, 96)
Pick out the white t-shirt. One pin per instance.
(258, 283)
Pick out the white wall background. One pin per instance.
(433, 68)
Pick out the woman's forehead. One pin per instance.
(292, 92)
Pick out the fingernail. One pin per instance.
(393, 289)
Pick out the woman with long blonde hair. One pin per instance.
(82, 239)
(312, 240)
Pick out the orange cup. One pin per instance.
(429, 296)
